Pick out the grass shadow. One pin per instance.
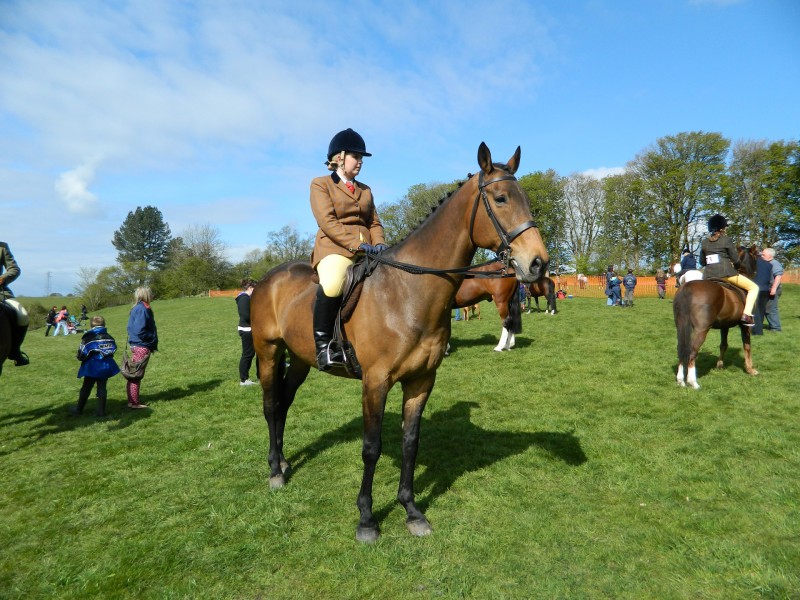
(180, 392)
(445, 441)
(53, 420)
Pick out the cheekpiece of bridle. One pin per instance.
(506, 237)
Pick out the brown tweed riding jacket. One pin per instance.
(345, 219)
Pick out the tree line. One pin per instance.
(639, 219)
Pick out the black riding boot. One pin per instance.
(83, 396)
(329, 354)
(17, 355)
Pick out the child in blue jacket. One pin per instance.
(96, 354)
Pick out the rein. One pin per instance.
(417, 270)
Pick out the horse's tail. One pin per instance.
(681, 310)
(513, 322)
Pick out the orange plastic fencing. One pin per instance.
(595, 286)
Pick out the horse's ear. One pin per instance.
(485, 158)
(513, 162)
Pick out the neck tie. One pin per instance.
(350, 187)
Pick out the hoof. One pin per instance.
(682, 383)
(752, 372)
(276, 482)
(696, 385)
(419, 527)
(498, 349)
(367, 535)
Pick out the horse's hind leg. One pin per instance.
(415, 395)
(748, 357)
(723, 346)
(691, 368)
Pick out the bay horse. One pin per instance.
(396, 342)
(704, 304)
(544, 287)
(502, 291)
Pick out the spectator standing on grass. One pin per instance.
(245, 332)
(773, 318)
(61, 321)
(50, 320)
(763, 279)
(614, 292)
(661, 284)
(143, 339)
(629, 281)
(96, 354)
(18, 316)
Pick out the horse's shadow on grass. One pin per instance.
(55, 419)
(523, 340)
(706, 361)
(450, 446)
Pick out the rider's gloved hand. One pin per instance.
(381, 247)
(368, 248)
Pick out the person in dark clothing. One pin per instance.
(721, 259)
(50, 320)
(614, 289)
(629, 281)
(18, 316)
(688, 263)
(763, 279)
(96, 354)
(245, 332)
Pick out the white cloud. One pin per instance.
(73, 189)
(603, 172)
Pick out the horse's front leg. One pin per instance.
(415, 395)
(748, 357)
(373, 403)
(723, 346)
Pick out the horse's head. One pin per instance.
(505, 224)
(747, 260)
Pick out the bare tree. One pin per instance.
(583, 202)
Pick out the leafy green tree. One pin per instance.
(628, 230)
(402, 217)
(545, 190)
(143, 237)
(764, 191)
(197, 263)
(684, 178)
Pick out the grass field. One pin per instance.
(571, 467)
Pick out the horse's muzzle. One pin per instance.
(535, 271)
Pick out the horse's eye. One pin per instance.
(500, 200)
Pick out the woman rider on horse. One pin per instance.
(348, 224)
(9, 271)
(721, 259)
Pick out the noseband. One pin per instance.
(506, 237)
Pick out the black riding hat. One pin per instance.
(349, 141)
(717, 223)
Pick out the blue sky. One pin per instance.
(220, 113)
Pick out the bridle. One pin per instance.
(506, 237)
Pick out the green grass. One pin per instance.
(570, 467)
